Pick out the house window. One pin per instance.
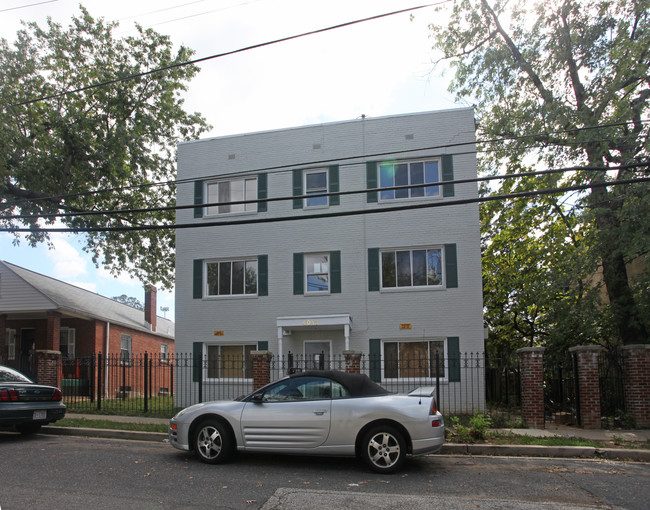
(231, 277)
(67, 342)
(409, 174)
(125, 349)
(230, 361)
(316, 183)
(164, 353)
(233, 190)
(418, 359)
(317, 272)
(10, 342)
(411, 268)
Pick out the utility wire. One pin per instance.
(329, 194)
(353, 160)
(278, 219)
(28, 5)
(219, 55)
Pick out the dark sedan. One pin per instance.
(26, 406)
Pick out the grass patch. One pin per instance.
(514, 439)
(111, 425)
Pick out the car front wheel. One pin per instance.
(384, 449)
(213, 442)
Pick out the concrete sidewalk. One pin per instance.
(585, 452)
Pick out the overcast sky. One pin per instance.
(376, 68)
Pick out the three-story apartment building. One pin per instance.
(317, 240)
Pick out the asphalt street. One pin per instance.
(67, 472)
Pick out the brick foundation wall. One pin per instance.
(532, 386)
(588, 385)
(636, 366)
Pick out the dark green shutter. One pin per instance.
(262, 275)
(297, 189)
(373, 269)
(371, 181)
(262, 345)
(298, 274)
(447, 175)
(198, 199)
(197, 279)
(453, 352)
(262, 192)
(375, 359)
(451, 266)
(197, 361)
(335, 272)
(334, 185)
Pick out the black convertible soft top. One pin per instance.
(358, 385)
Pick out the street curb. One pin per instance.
(563, 452)
(567, 452)
(132, 435)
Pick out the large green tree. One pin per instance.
(560, 82)
(69, 146)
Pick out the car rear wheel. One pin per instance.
(213, 442)
(383, 449)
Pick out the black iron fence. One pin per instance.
(562, 395)
(160, 385)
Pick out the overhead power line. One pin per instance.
(28, 5)
(352, 160)
(219, 55)
(488, 178)
(305, 217)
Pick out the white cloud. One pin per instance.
(67, 261)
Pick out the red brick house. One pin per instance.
(44, 321)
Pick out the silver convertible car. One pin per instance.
(315, 412)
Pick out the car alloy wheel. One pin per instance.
(212, 442)
(384, 449)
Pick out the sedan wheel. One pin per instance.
(213, 442)
(384, 449)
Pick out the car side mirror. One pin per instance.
(258, 398)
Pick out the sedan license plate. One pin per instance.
(39, 415)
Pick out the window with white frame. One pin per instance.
(420, 267)
(317, 272)
(414, 359)
(231, 277)
(232, 190)
(227, 361)
(164, 353)
(125, 349)
(409, 173)
(10, 342)
(316, 183)
(67, 342)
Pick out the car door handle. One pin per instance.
(320, 412)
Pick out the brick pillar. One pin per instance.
(532, 386)
(588, 385)
(53, 336)
(48, 367)
(636, 368)
(352, 362)
(261, 368)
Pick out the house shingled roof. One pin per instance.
(77, 301)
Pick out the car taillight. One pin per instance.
(434, 406)
(57, 395)
(8, 395)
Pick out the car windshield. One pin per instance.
(9, 375)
